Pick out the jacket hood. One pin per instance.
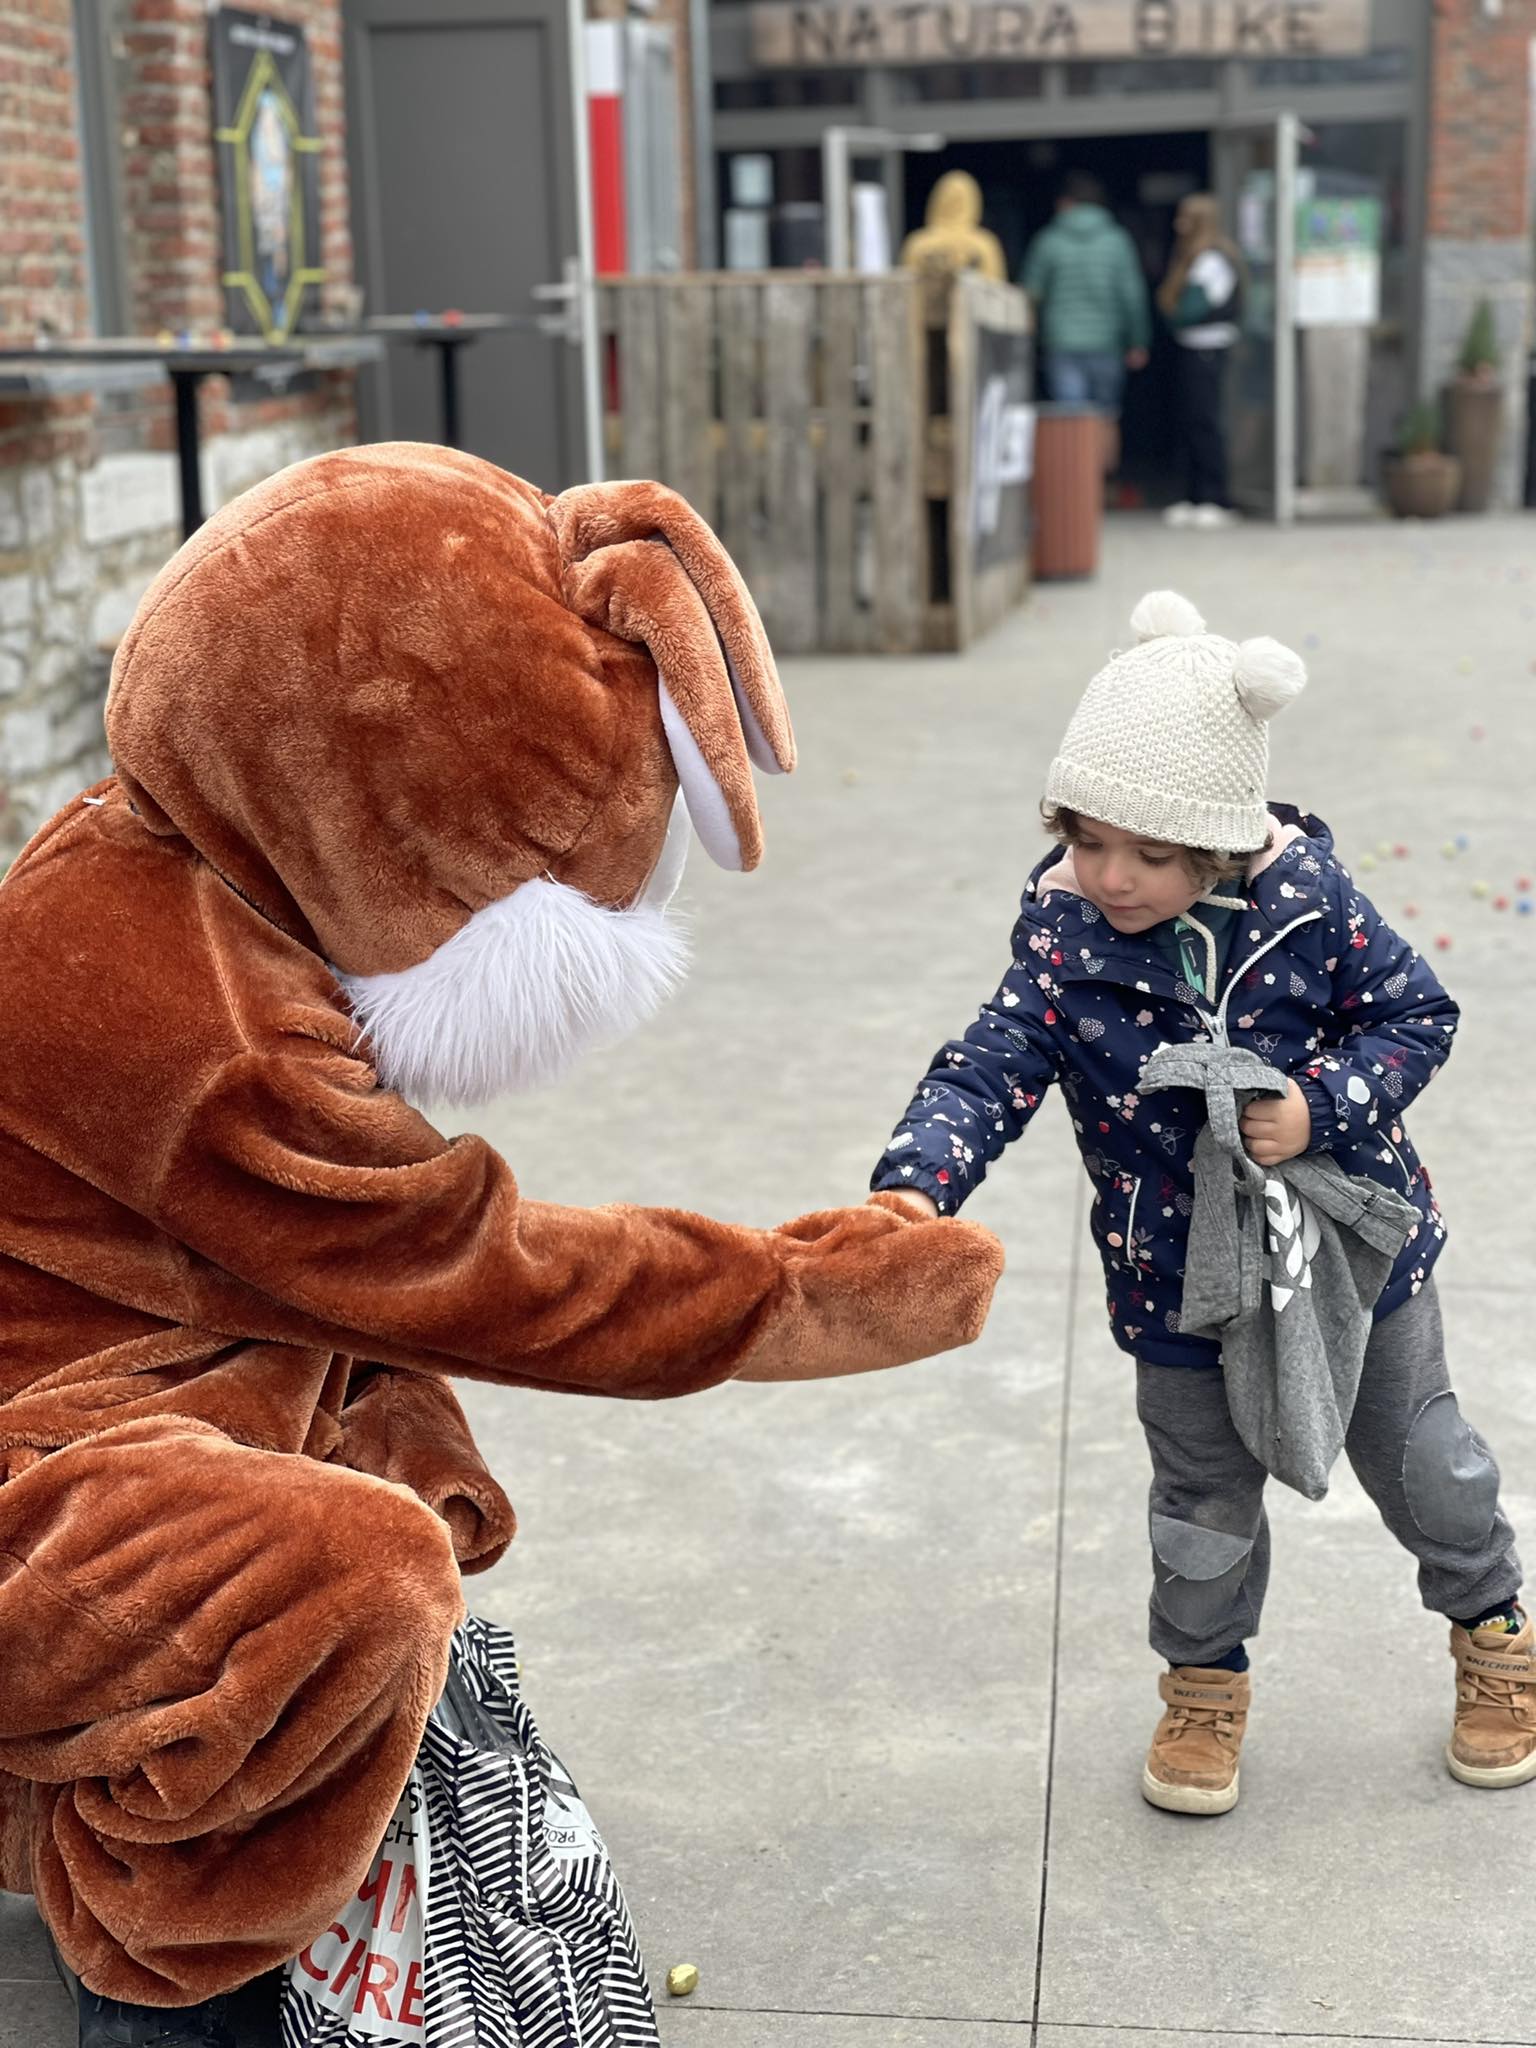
(955, 202)
(390, 686)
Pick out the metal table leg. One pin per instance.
(189, 449)
(448, 346)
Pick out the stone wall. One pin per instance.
(88, 494)
(80, 540)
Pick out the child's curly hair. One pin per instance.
(1202, 865)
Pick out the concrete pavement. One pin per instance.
(854, 1675)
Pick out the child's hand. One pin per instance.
(1277, 1127)
(913, 1199)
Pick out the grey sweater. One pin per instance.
(1284, 1267)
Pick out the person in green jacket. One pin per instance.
(1090, 297)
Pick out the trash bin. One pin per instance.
(1068, 491)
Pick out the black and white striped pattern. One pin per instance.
(529, 1941)
(304, 2025)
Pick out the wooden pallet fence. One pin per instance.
(796, 412)
(980, 382)
(784, 407)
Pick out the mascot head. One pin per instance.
(451, 733)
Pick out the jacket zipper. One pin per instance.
(1401, 1163)
(1217, 1018)
(1130, 1223)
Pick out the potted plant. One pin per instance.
(1474, 410)
(1422, 482)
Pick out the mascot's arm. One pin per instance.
(409, 1427)
(318, 1208)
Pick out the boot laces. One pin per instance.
(1489, 1689)
(1218, 1720)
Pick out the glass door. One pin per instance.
(1256, 182)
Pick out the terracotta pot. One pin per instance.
(1423, 486)
(1474, 421)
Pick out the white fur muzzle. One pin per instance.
(526, 987)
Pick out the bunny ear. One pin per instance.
(684, 600)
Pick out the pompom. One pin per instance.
(1164, 615)
(1267, 677)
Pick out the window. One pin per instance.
(1002, 81)
(1374, 67)
(1146, 75)
(788, 89)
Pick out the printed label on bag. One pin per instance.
(567, 1824)
(367, 1966)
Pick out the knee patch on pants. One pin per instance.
(1198, 1573)
(1450, 1481)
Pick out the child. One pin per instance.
(1181, 909)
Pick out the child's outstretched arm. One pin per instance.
(1393, 1024)
(978, 1094)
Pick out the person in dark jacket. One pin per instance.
(1178, 908)
(1095, 320)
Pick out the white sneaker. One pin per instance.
(1182, 514)
(1213, 518)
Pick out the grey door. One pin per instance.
(462, 158)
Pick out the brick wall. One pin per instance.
(88, 495)
(42, 237)
(1478, 216)
(1479, 120)
(42, 244)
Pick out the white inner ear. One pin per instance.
(668, 871)
(759, 752)
(701, 793)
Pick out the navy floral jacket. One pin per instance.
(1316, 983)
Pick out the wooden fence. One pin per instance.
(980, 379)
(806, 416)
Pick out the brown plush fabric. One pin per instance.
(410, 1428)
(691, 610)
(235, 1273)
(218, 1664)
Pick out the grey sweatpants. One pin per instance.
(1431, 1476)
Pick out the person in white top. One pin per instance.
(1201, 299)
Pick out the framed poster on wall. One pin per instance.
(1338, 261)
(269, 171)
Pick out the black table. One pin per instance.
(49, 369)
(447, 337)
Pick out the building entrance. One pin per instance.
(1144, 178)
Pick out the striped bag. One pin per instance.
(527, 1941)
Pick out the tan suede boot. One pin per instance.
(1494, 1740)
(1192, 1764)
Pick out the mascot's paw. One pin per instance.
(873, 1287)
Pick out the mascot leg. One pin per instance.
(218, 1664)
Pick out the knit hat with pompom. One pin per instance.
(1171, 740)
